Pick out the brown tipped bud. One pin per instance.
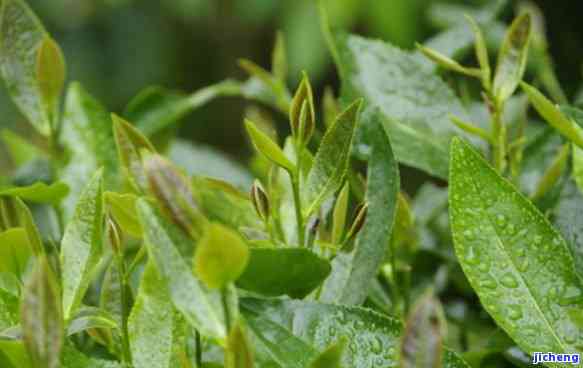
(302, 115)
(172, 190)
(260, 200)
(113, 235)
(359, 219)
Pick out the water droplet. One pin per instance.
(488, 283)
(501, 220)
(469, 234)
(509, 281)
(537, 239)
(376, 345)
(515, 312)
(483, 267)
(470, 256)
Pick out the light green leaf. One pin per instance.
(9, 310)
(88, 318)
(374, 338)
(481, 52)
(88, 137)
(221, 256)
(15, 251)
(38, 192)
(81, 245)
(512, 58)
(123, 209)
(15, 354)
(331, 161)
(268, 148)
(552, 115)
(279, 58)
(339, 214)
(198, 305)
(239, 353)
(566, 217)
(130, 142)
(152, 322)
(21, 151)
(412, 102)
(50, 74)
(331, 357)
(512, 257)
(352, 273)
(42, 318)
(21, 35)
(448, 63)
(25, 220)
(278, 271)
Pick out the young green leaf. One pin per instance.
(21, 36)
(331, 161)
(38, 192)
(152, 322)
(260, 201)
(421, 344)
(512, 58)
(553, 115)
(88, 318)
(123, 209)
(15, 251)
(187, 293)
(302, 114)
(331, 357)
(268, 148)
(481, 52)
(512, 256)
(21, 151)
(81, 245)
(42, 317)
(130, 142)
(239, 353)
(221, 256)
(353, 272)
(553, 172)
(50, 74)
(26, 221)
(330, 108)
(339, 214)
(279, 58)
(87, 134)
(278, 271)
(448, 63)
(9, 309)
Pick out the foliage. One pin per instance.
(117, 251)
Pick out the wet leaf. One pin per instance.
(283, 271)
(353, 272)
(81, 245)
(331, 357)
(221, 256)
(512, 256)
(21, 36)
(331, 161)
(38, 192)
(268, 148)
(42, 317)
(198, 305)
(512, 58)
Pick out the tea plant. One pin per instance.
(124, 246)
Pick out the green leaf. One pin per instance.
(42, 317)
(123, 209)
(38, 192)
(81, 245)
(302, 114)
(198, 305)
(14, 213)
(278, 271)
(130, 142)
(15, 251)
(413, 103)
(268, 148)
(21, 36)
(50, 74)
(339, 214)
(331, 161)
(88, 318)
(72, 358)
(14, 353)
(447, 63)
(481, 52)
(512, 58)
(331, 357)
(239, 353)
(552, 115)
(152, 323)
(21, 151)
(352, 273)
(566, 215)
(9, 311)
(512, 257)
(374, 338)
(221, 256)
(279, 58)
(88, 137)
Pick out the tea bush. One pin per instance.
(124, 246)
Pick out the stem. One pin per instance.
(499, 136)
(126, 352)
(225, 302)
(198, 347)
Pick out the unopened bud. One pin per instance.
(359, 219)
(260, 200)
(302, 115)
(113, 235)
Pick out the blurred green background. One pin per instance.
(115, 48)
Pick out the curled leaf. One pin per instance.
(268, 148)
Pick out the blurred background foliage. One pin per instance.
(115, 48)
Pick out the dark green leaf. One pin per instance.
(21, 35)
(81, 245)
(42, 317)
(353, 272)
(190, 297)
(278, 271)
(331, 161)
(38, 192)
(88, 136)
(512, 256)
